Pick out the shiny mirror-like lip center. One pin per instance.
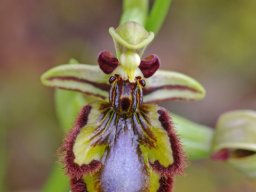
(125, 104)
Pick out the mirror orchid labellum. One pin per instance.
(121, 141)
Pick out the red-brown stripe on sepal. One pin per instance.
(77, 185)
(168, 99)
(87, 93)
(148, 90)
(178, 155)
(149, 65)
(73, 169)
(107, 62)
(103, 86)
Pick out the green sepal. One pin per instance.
(130, 36)
(167, 85)
(88, 79)
(196, 139)
(68, 104)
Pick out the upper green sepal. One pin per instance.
(130, 36)
(167, 85)
(84, 78)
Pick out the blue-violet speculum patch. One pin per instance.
(121, 141)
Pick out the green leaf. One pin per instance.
(166, 85)
(57, 181)
(157, 15)
(68, 105)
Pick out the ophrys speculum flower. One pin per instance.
(121, 142)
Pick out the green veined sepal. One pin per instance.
(168, 85)
(88, 79)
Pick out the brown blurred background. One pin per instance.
(213, 41)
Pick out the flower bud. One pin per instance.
(235, 140)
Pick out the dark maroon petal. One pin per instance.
(149, 65)
(73, 169)
(178, 154)
(107, 62)
(221, 155)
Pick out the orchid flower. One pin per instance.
(122, 141)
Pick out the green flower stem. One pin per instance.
(157, 15)
(135, 10)
(196, 138)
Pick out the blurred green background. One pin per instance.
(213, 41)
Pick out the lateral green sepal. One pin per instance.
(83, 78)
(168, 85)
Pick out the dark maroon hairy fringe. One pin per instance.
(107, 62)
(77, 185)
(74, 170)
(167, 173)
(149, 65)
(166, 184)
(178, 154)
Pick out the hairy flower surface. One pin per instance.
(121, 142)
